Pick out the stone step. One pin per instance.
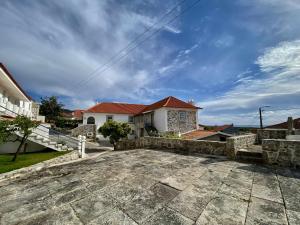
(39, 137)
(252, 154)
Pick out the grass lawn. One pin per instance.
(26, 159)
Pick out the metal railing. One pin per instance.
(53, 135)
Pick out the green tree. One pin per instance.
(5, 130)
(51, 108)
(114, 130)
(21, 124)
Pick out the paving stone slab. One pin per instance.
(113, 217)
(92, 207)
(60, 216)
(293, 217)
(192, 201)
(168, 216)
(291, 193)
(146, 203)
(266, 186)
(23, 212)
(184, 177)
(224, 210)
(262, 211)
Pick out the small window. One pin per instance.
(130, 119)
(182, 116)
(109, 117)
(91, 120)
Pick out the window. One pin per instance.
(130, 119)
(182, 116)
(109, 117)
(90, 120)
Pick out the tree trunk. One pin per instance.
(25, 147)
(19, 148)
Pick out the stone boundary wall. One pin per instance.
(84, 129)
(233, 144)
(36, 167)
(271, 134)
(188, 147)
(281, 152)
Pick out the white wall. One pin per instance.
(160, 119)
(11, 147)
(100, 119)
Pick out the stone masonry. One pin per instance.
(281, 152)
(233, 144)
(186, 147)
(174, 123)
(84, 130)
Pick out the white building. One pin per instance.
(13, 100)
(167, 115)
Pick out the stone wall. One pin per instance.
(233, 144)
(174, 123)
(84, 130)
(281, 152)
(188, 147)
(271, 134)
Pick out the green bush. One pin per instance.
(115, 131)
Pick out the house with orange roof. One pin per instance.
(167, 115)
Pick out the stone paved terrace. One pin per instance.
(153, 187)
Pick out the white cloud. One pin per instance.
(278, 85)
(51, 46)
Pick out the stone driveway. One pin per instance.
(153, 187)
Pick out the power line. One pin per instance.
(133, 41)
(151, 35)
(282, 109)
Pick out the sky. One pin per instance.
(230, 57)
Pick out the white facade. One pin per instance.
(101, 118)
(160, 119)
(12, 100)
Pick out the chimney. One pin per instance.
(290, 124)
(191, 101)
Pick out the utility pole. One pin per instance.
(260, 109)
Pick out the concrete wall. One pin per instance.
(281, 152)
(11, 147)
(188, 147)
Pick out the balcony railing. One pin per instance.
(11, 109)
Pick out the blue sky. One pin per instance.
(230, 57)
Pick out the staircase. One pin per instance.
(252, 153)
(151, 130)
(47, 137)
(62, 144)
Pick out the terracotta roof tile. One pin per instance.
(196, 134)
(118, 108)
(124, 108)
(170, 102)
(284, 125)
